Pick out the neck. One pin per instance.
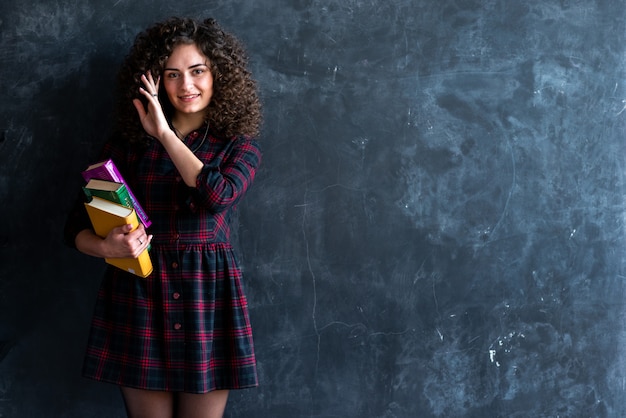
(183, 124)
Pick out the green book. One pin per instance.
(108, 190)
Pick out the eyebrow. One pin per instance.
(190, 68)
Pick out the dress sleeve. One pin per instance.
(223, 182)
(76, 220)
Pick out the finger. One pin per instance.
(144, 239)
(142, 242)
(118, 233)
(154, 84)
(140, 109)
(151, 87)
(147, 79)
(148, 94)
(123, 230)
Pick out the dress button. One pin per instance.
(175, 264)
(176, 295)
(177, 326)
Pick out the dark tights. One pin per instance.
(154, 404)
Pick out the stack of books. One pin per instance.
(111, 203)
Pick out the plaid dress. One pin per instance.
(186, 327)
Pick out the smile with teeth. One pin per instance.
(189, 96)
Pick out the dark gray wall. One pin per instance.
(438, 228)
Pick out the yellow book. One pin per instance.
(106, 215)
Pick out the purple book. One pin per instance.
(106, 170)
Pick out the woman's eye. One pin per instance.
(171, 75)
(198, 71)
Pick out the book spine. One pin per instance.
(120, 196)
(109, 171)
(124, 197)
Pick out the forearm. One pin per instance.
(89, 243)
(223, 181)
(187, 164)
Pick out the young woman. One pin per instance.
(187, 117)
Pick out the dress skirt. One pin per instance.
(184, 331)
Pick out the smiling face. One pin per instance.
(188, 81)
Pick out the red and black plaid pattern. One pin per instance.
(185, 327)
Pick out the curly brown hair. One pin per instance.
(235, 107)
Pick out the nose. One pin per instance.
(186, 80)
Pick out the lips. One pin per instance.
(189, 97)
